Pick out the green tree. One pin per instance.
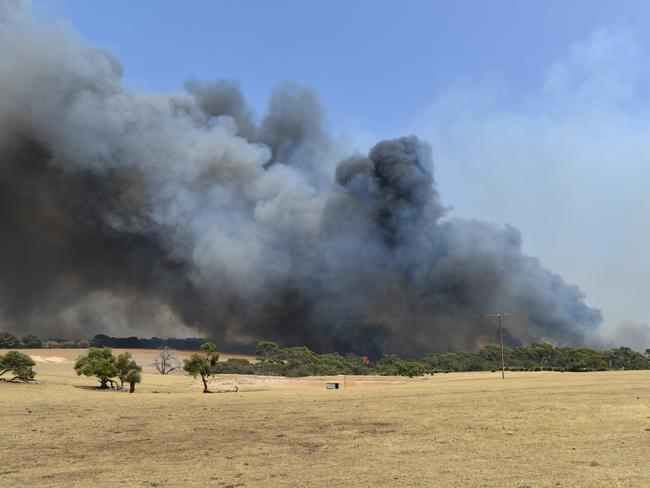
(268, 360)
(19, 364)
(211, 354)
(626, 358)
(98, 362)
(490, 353)
(266, 351)
(202, 364)
(198, 364)
(234, 366)
(132, 377)
(297, 356)
(125, 366)
(410, 368)
(387, 365)
(8, 341)
(357, 364)
(31, 341)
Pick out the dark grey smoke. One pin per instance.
(130, 213)
(222, 98)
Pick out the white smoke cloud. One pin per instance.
(636, 336)
(568, 164)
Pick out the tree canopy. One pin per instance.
(202, 364)
(128, 369)
(18, 364)
(197, 364)
(9, 341)
(98, 362)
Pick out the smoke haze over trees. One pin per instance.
(186, 214)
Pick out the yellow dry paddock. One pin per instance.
(464, 429)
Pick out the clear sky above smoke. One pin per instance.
(537, 111)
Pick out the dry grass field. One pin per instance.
(455, 430)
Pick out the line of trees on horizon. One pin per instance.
(301, 361)
(183, 344)
(32, 341)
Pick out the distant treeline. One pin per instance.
(300, 361)
(539, 357)
(188, 344)
(31, 341)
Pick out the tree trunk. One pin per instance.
(132, 388)
(103, 383)
(205, 384)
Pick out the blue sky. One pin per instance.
(537, 111)
(373, 62)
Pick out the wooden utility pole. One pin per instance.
(503, 362)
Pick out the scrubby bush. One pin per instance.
(132, 377)
(234, 366)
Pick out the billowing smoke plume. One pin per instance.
(131, 213)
